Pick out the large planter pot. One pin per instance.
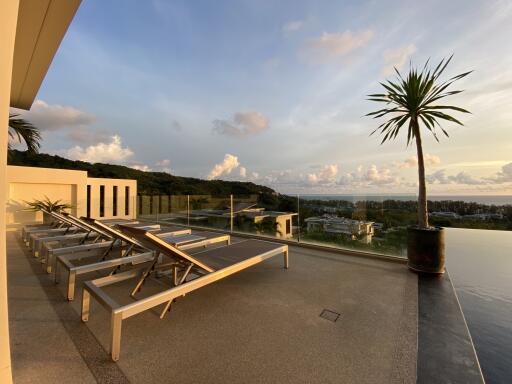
(47, 219)
(425, 250)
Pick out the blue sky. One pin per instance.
(274, 92)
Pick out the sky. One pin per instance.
(275, 92)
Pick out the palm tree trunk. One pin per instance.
(422, 192)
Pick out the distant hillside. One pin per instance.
(148, 182)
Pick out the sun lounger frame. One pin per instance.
(118, 312)
(72, 271)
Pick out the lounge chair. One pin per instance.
(70, 228)
(63, 227)
(101, 244)
(44, 226)
(95, 241)
(208, 266)
(179, 237)
(84, 234)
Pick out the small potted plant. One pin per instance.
(412, 102)
(46, 205)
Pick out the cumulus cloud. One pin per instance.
(412, 162)
(141, 167)
(227, 166)
(86, 136)
(396, 58)
(327, 175)
(163, 163)
(276, 177)
(103, 152)
(371, 176)
(243, 172)
(52, 117)
(293, 26)
(164, 166)
(335, 45)
(242, 124)
(504, 176)
(440, 177)
(159, 166)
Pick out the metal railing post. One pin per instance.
(157, 208)
(298, 218)
(188, 210)
(231, 214)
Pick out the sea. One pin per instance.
(480, 199)
(479, 263)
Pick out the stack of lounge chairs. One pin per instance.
(122, 250)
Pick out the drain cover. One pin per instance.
(330, 315)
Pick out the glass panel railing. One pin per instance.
(266, 216)
(210, 211)
(376, 224)
(362, 223)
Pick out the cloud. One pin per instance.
(229, 164)
(87, 136)
(243, 172)
(465, 178)
(243, 124)
(396, 58)
(504, 176)
(412, 162)
(141, 167)
(102, 152)
(440, 177)
(335, 45)
(372, 176)
(293, 26)
(159, 166)
(53, 117)
(164, 166)
(327, 175)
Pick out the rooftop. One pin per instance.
(262, 324)
(330, 317)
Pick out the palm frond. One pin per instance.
(47, 205)
(22, 130)
(414, 96)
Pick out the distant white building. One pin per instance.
(446, 215)
(334, 225)
(330, 209)
(280, 222)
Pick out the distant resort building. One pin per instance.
(335, 225)
(446, 215)
(248, 218)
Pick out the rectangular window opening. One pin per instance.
(102, 201)
(114, 200)
(126, 201)
(88, 201)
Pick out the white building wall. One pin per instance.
(25, 184)
(8, 21)
(108, 205)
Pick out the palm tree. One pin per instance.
(23, 130)
(412, 100)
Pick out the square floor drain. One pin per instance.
(330, 315)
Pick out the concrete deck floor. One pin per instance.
(259, 326)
